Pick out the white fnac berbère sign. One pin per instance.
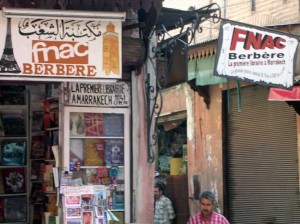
(256, 55)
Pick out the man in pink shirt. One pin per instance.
(207, 214)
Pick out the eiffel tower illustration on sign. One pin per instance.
(8, 63)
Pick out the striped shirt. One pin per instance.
(164, 211)
(215, 218)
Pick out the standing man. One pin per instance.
(163, 211)
(207, 214)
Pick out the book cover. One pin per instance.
(120, 215)
(12, 95)
(13, 153)
(121, 175)
(87, 217)
(54, 137)
(1, 128)
(105, 180)
(114, 152)
(52, 219)
(14, 180)
(93, 124)
(36, 172)
(80, 174)
(52, 207)
(76, 151)
(66, 178)
(37, 121)
(93, 152)
(73, 221)
(38, 147)
(1, 184)
(99, 211)
(52, 90)
(48, 187)
(51, 114)
(73, 200)
(100, 221)
(14, 125)
(100, 198)
(15, 209)
(36, 193)
(92, 176)
(118, 200)
(48, 181)
(87, 201)
(102, 172)
(1, 209)
(73, 212)
(113, 125)
(38, 211)
(76, 124)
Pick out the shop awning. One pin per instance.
(277, 94)
(201, 69)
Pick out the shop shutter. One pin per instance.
(261, 160)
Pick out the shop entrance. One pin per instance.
(172, 166)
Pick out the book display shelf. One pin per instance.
(98, 154)
(14, 142)
(44, 132)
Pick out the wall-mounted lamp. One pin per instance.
(62, 14)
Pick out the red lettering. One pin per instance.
(236, 38)
(69, 70)
(48, 69)
(60, 70)
(91, 70)
(80, 70)
(257, 41)
(252, 40)
(27, 68)
(267, 43)
(38, 69)
(279, 42)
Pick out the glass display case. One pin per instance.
(96, 153)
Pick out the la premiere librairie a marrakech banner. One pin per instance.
(256, 55)
(56, 48)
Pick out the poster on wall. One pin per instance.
(256, 55)
(61, 48)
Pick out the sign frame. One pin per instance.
(61, 46)
(254, 54)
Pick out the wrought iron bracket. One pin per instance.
(188, 25)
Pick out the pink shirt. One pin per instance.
(215, 218)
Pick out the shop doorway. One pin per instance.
(172, 166)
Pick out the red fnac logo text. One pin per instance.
(59, 52)
(257, 41)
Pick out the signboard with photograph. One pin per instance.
(256, 55)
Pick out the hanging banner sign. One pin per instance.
(115, 94)
(61, 49)
(255, 55)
